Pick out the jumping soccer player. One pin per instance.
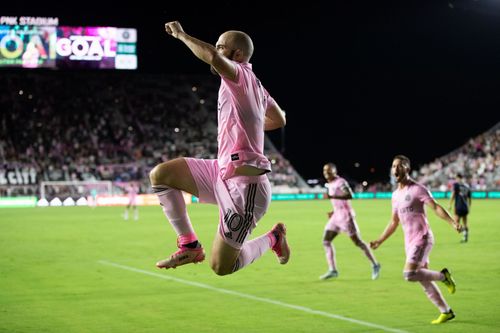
(236, 181)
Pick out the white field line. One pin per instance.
(255, 298)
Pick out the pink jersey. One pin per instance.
(335, 187)
(241, 110)
(408, 204)
(132, 191)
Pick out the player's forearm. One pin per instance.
(272, 124)
(443, 213)
(202, 50)
(389, 230)
(345, 195)
(275, 118)
(341, 197)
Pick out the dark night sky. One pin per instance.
(359, 82)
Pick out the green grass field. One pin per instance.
(79, 269)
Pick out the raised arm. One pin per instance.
(389, 230)
(202, 50)
(443, 214)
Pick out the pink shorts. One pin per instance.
(242, 200)
(342, 221)
(418, 251)
(132, 199)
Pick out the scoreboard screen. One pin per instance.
(68, 47)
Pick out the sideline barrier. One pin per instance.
(17, 202)
(152, 200)
(371, 195)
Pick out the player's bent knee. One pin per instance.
(159, 175)
(221, 269)
(154, 175)
(410, 276)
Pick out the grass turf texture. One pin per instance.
(55, 275)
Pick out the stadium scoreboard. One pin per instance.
(41, 43)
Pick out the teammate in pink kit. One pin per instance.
(408, 208)
(342, 219)
(132, 190)
(236, 181)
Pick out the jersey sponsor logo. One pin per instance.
(235, 157)
(405, 210)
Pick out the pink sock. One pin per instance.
(272, 239)
(423, 274)
(252, 250)
(330, 255)
(435, 296)
(174, 207)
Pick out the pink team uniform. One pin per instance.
(343, 216)
(132, 195)
(408, 204)
(242, 200)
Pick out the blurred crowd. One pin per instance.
(86, 126)
(478, 161)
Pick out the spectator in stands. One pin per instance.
(341, 220)
(236, 181)
(461, 200)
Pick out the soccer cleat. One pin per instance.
(376, 271)
(281, 247)
(183, 256)
(448, 281)
(444, 317)
(328, 275)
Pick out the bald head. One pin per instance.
(329, 171)
(238, 40)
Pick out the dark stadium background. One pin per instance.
(360, 82)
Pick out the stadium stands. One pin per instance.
(85, 126)
(478, 160)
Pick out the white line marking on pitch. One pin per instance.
(255, 298)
